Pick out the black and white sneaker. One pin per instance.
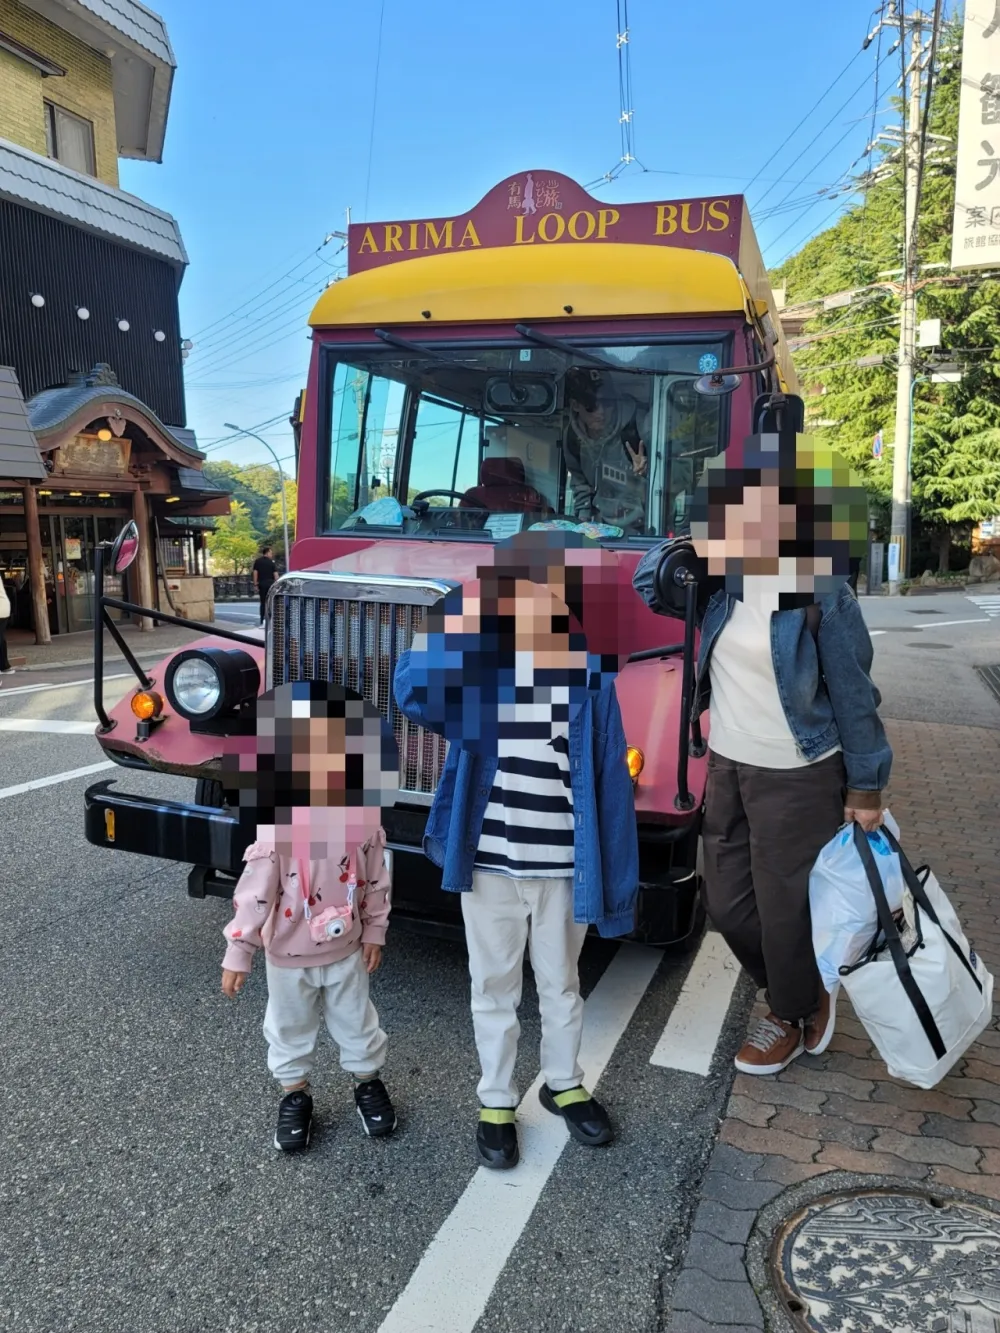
(294, 1122)
(374, 1108)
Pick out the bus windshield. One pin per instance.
(492, 440)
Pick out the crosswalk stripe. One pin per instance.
(695, 1024)
(453, 1282)
(989, 603)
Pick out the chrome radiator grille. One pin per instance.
(355, 643)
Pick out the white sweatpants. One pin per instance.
(502, 915)
(299, 998)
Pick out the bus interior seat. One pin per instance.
(503, 489)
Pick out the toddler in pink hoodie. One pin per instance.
(314, 893)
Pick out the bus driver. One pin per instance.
(605, 452)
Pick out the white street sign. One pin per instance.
(929, 333)
(975, 238)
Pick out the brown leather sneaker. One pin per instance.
(820, 1028)
(771, 1046)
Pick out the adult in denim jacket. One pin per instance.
(796, 747)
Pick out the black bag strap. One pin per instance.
(915, 883)
(814, 615)
(897, 952)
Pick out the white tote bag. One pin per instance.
(843, 912)
(920, 990)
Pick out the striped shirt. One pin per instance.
(528, 830)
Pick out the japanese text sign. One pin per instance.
(545, 208)
(975, 239)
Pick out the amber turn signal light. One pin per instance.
(146, 705)
(636, 761)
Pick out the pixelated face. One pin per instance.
(780, 519)
(578, 572)
(319, 773)
(496, 663)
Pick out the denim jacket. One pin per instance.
(824, 684)
(606, 845)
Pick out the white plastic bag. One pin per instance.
(844, 917)
(920, 990)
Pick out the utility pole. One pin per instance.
(912, 147)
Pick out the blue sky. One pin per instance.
(272, 119)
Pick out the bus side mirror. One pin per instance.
(779, 412)
(125, 549)
(679, 566)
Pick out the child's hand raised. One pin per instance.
(372, 954)
(233, 982)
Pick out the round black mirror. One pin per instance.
(680, 565)
(717, 385)
(125, 549)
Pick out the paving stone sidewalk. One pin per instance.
(841, 1112)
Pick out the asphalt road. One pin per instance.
(138, 1186)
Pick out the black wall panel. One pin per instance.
(72, 268)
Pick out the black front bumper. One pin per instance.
(668, 911)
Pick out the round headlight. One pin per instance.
(202, 683)
(196, 686)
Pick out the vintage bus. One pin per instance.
(546, 358)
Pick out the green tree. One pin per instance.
(254, 485)
(235, 541)
(275, 529)
(956, 429)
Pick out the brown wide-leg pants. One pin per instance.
(762, 831)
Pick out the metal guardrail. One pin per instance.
(234, 588)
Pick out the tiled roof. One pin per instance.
(136, 21)
(42, 183)
(19, 456)
(191, 479)
(49, 409)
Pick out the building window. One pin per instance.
(69, 139)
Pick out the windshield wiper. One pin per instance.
(419, 349)
(581, 354)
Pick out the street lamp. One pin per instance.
(281, 477)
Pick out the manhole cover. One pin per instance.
(874, 1260)
(921, 644)
(925, 611)
(991, 678)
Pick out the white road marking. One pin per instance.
(873, 632)
(72, 773)
(939, 624)
(52, 725)
(63, 685)
(692, 1032)
(987, 602)
(455, 1278)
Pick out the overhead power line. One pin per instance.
(812, 110)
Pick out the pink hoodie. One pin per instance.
(268, 906)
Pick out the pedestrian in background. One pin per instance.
(5, 667)
(796, 745)
(265, 571)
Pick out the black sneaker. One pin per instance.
(586, 1119)
(496, 1139)
(374, 1108)
(294, 1122)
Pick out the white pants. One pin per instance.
(298, 998)
(502, 915)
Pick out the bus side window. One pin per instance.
(365, 417)
(694, 436)
(347, 414)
